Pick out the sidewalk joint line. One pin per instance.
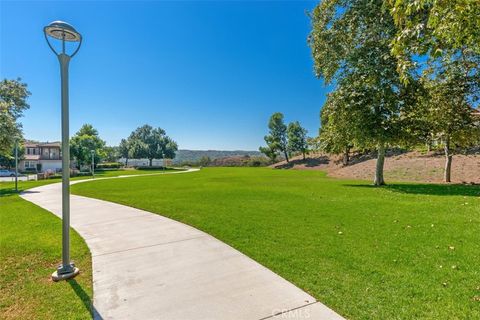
(149, 246)
(286, 311)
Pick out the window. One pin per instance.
(30, 164)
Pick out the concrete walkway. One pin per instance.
(146, 266)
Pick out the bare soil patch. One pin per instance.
(410, 166)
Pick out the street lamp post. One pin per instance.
(16, 164)
(93, 163)
(65, 33)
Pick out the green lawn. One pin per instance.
(9, 186)
(405, 251)
(30, 250)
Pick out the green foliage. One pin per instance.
(269, 152)
(8, 159)
(297, 138)
(350, 42)
(13, 102)
(112, 154)
(82, 144)
(433, 28)
(109, 165)
(150, 143)
(337, 134)
(448, 105)
(445, 34)
(405, 251)
(204, 161)
(277, 139)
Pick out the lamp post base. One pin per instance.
(62, 274)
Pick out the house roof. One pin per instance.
(31, 144)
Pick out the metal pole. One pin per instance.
(16, 165)
(66, 267)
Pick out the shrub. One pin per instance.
(109, 165)
(151, 168)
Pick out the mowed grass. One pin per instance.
(7, 187)
(406, 251)
(30, 250)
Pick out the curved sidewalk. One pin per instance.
(146, 266)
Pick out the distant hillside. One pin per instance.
(195, 155)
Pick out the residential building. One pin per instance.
(41, 157)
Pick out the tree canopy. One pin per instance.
(82, 144)
(13, 102)
(297, 138)
(350, 43)
(439, 42)
(277, 140)
(150, 143)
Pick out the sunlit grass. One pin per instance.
(405, 251)
(30, 250)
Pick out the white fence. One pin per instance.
(20, 178)
(146, 162)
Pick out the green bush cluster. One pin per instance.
(109, 165)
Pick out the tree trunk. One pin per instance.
(151, 161)
(126, 162)
(346, 156)
(379, 181)
(448, 161)
(303, 155)
(286, 155)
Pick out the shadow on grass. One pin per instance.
(428, 189)
(8, 192)
(11, 191)
(87, 301)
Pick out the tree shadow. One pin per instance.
(10, 191)
(428, 189)
(87, 301)
(308, 162)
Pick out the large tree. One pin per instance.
(337, 135)
(439, 42)
(350, 43)
(297, 138)
(123, 150)
(82, 144)
(277, 139)
(13, 102)
(111, 153)
(450, 113)
(151, 143)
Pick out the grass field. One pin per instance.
(405, 251)
(8, 187)
(30, 250)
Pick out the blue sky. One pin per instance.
(209, 73)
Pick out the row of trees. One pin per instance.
(405, 73)
(148, 143)
(283, 139)
(13, 102)
(145, 142)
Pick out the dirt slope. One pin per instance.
(411, 166)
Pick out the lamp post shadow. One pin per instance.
(87, 301)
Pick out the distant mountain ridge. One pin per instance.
(195, 155)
